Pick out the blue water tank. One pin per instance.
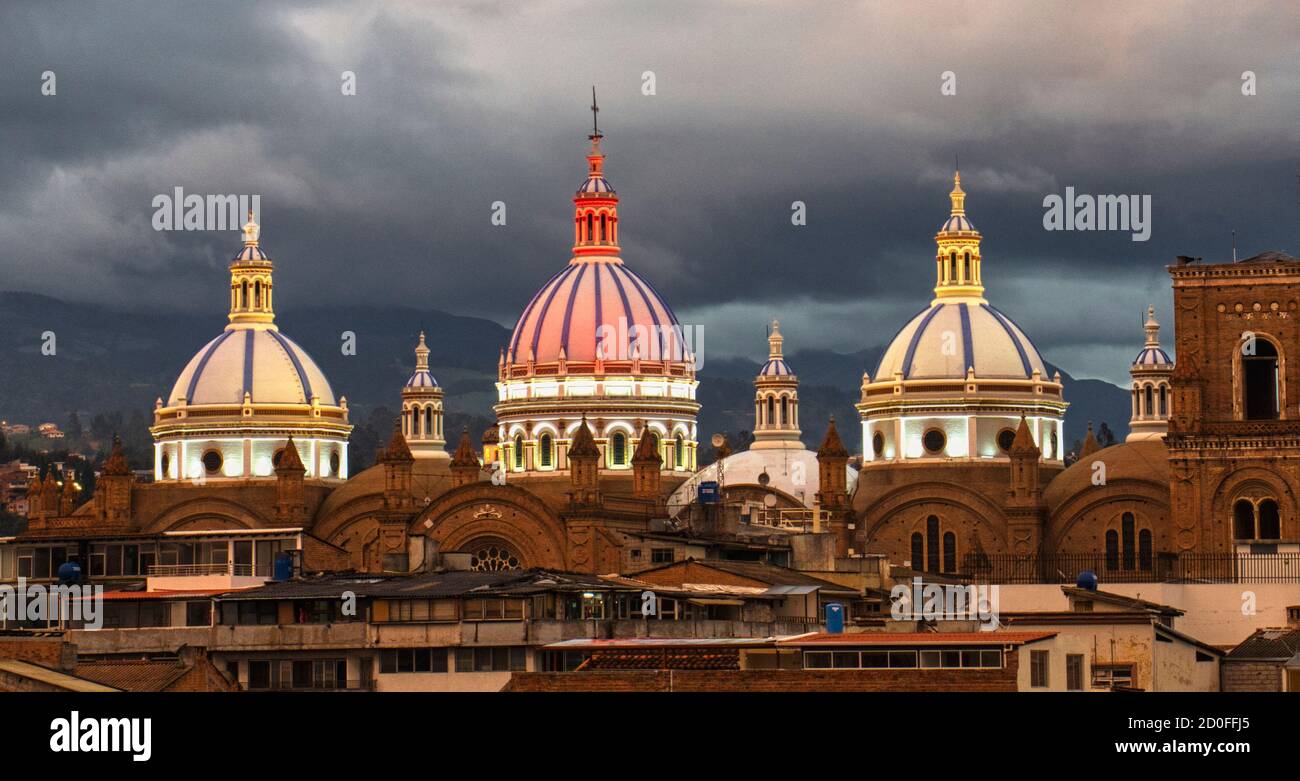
(283, 569)
(709, 493)
(69, 572)
(834, 618)
(1087, 580)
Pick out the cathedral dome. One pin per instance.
(263, 363)
(593, 299)
(947, 339)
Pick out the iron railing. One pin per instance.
(1154, 568)
(190, 570)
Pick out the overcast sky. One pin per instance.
(385, 196)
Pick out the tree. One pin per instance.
(75, 431)
(1105, 437)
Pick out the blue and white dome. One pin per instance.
(946, 339)
(262, 362)
(421, 379)
(1153, 356)
(596, 185)
(776, 367)
(957, 222)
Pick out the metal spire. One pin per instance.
(595, 126)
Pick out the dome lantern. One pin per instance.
(957, 264)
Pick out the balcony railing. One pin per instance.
(1154, 568)
(192, 570)
(350, 685)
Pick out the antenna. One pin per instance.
(595, 126)
(1234, 243)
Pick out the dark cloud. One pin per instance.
(385, 196)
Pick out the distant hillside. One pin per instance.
(108, 361)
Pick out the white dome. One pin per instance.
(794, 472)
(946, 339)
(262, 362)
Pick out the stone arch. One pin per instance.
(1255, 483)
(511, 514)
(887, 523)
(1079, 523)
(208, 513)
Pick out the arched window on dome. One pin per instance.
(1144, 550)
(968, 272)
(519, 451)
(257, 294)
(1112, 549)
(1259, 379)
(918, 551)
(785, 411)
(428, 421)
(949, 552)
(932, 544)
(243, 299)
(952, 266)
(544, 450)
(1128, 540)
(618, 449)
(771, 412)
(1149, 412)
(1164, 402)
(590, 224)
(603, 226)
(679, 451)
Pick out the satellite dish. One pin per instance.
(764, 478)
(718, 440)
(769, 500)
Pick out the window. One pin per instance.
(878, 443)
(785, 411)
(618, 449)
(1038, 661)
(1006, 438)
(413, 660)
(679, 450)
(771, 412)
(212, 462)
(335, 463)
(949, 552)
(494, 609)
(1074, 672)
(661, 555)
(1126, 536)
(493, 556)
(1112, 549)
(932, 544)
(884, 659)
(544, 448)
(491, 660)
(933, 441)
(519, 451)
(1108, 676)
(1269, 525)
(198, 613)
(1259, 377)
(1144, 550)
(918, 550)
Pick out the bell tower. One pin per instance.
(776, 399)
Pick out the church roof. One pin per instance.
(261, 362)
(945, 339)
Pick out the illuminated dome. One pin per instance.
(597, 341)
(955, 381)
(263, 363)
(242, 397)
(565, 318)
(947, 339)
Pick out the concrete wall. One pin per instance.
(1213, 610)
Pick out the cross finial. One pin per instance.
(595, 126)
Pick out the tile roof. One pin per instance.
(132, 675)
(1268, 644)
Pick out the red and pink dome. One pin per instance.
(596, 315)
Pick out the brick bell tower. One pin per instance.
(1234, 424)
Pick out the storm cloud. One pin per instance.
(386, 196)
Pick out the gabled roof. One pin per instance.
(917, 638)
(1132, 603)
(1276, 644)
(762, 572)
